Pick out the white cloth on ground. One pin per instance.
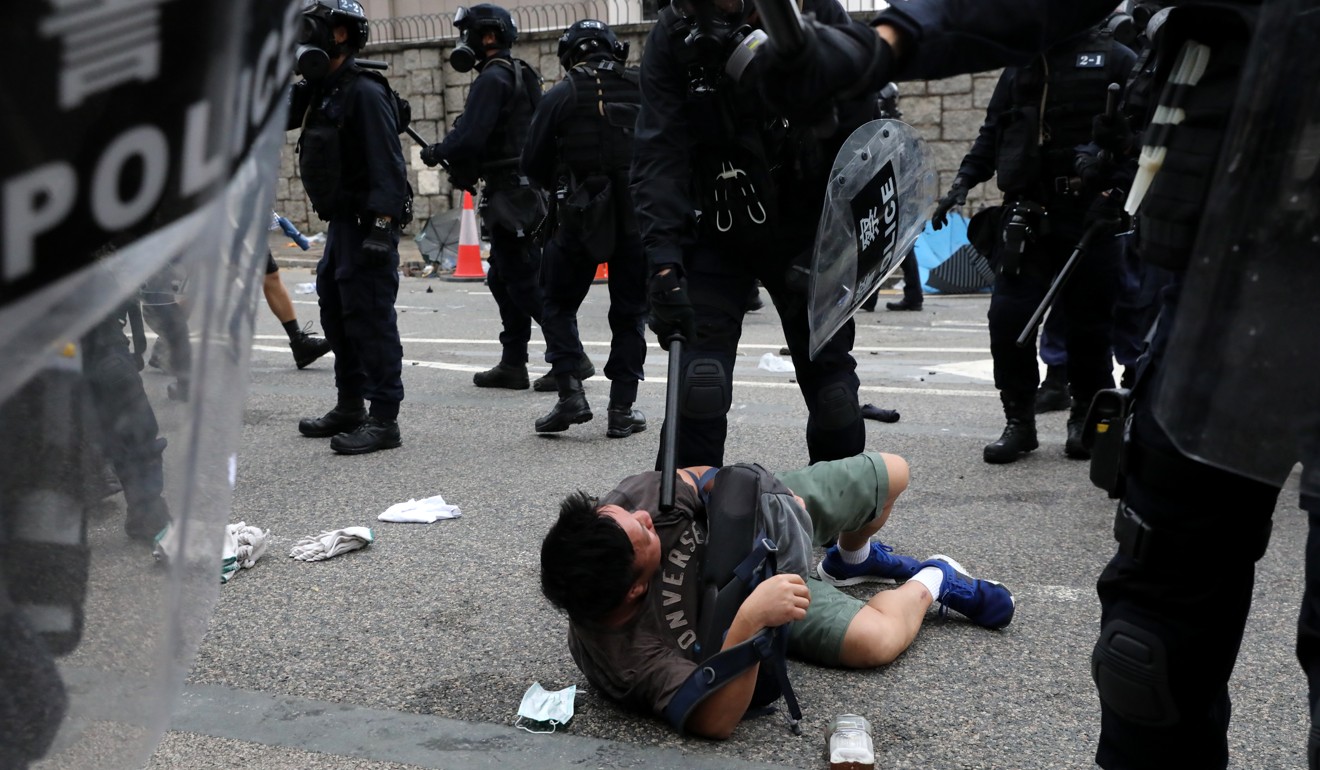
(331, 543)
(243, 546)
(422, 511)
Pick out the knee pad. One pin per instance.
(706, 392)
(1130, 666)
(836, 407)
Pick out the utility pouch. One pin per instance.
(518, 208)
(1103, 434)
(589, 212)
(1017, 154)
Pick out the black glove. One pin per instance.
(671, 310)
(957, 196)
(1107, 212)
(836, 61)
(1112, 133)
(378, 246)
(431, 155)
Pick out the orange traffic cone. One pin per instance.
(469, 246)
(602, 273)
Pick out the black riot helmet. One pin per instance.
(316, 40)
(473, 23)
(587, 38)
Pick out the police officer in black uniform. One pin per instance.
(748, 153)
(1038, 115)
(1168, 645)
(485, 143)
(580, 145)
(352, 167)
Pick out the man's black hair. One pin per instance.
(586, 561)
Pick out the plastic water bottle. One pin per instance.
(850, 743)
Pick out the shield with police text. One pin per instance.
(142, 141)
(881, 192)
(1241, 378)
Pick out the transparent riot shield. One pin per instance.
(142, 141)
(1241, 386)
(882, 190)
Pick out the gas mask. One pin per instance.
(719, 33)
(316, 45)
(463, 58)
(472, 26)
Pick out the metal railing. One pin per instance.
(529, 18)
(544, 17)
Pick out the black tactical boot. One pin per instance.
(146, 519)
(1053, 393)
(903, 304)
(571, 409)
(1073, 446)
(371, 435)
(546, 382)
(307, 347)
(624, 421)
(1019, 435)
(503, 376)
(341, 419)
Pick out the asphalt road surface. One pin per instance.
(416, 651)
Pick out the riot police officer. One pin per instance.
(1227, 400)
(580, 145)
(1037, 117)
(352, 167)
(748, 153)
(485, 144)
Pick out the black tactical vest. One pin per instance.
(1054, 100)
(320, 160)
(597, 137)
(504, 146)
(1170, 212)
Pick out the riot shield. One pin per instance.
(1241, 387)
(882, 190)
(142, 141)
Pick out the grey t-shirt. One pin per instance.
(643, 663)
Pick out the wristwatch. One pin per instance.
(382, 223)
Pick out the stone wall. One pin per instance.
(947, 112)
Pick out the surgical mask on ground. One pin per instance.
(542, 711)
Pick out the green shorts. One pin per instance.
(841, 496)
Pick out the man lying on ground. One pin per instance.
(629, 578)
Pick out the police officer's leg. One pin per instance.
(1168, 643)
(627, 317)
(1015, 298)
(1089, 296)
(828, 384)
(333, 272)
(566, 274)
(372, 327)
(513, 281)
(1130, 327)
(718, 293)
(129, 428)
(1052, 395)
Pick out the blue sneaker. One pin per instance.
(882, 566)
(985, 602)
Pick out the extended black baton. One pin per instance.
(669, 435)
(1059, 280)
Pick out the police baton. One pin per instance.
(1059, 280)
(669, 434)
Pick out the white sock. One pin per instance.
(855, 557)
(930, 577)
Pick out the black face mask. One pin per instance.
(716, 25)
(316, 45)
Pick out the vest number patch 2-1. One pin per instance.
(1090, 60)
